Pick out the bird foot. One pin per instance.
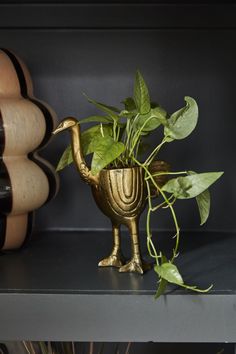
(112, 261)
(136, 266)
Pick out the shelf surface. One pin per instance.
(53, 290)
(66, 262)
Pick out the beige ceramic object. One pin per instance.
(26, 180)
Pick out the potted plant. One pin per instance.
(123, 184)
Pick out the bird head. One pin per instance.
(66, 123)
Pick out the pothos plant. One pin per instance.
(117, 138)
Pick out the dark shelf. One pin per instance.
(66, 262)
(54, 290)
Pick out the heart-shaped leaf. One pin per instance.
(161, 288)
(183, 122)
(162, 283)
(141, 94)
(106, 150)
(191, 186)
(203, 202)
(169, 272)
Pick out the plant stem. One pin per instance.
(175, 251)
(167, 173)
(114, 129)
(175, 222)
(73, 347)
(117, 348)
(128, 348)
(118, 133)
(163, 204)
(149, 239)
(137, 148)
(154, 153)
(194, 288)
(149, 234)
(101, 129)
(91, 348)
(25, 346)
(32, 351)
(127, 134)
(137, 134)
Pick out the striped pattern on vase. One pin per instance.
(26, 180)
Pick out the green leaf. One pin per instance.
(183, 122)
(191, 186)
(111, 111)
(169, 272)
(163, 283)
(99, 119)
(161, 288)
(66, 159)
(87, 138)
(127, 114)
(204, 203)
(129, 104)
(141, 94)
(152, 120)
(89, 135)
(106, 150)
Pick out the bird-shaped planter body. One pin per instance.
(26, 180)
(120, 194)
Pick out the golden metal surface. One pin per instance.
(121, 195)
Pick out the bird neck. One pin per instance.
(79, 160)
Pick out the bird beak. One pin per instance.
(57, 130)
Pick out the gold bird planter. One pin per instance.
(121, 195)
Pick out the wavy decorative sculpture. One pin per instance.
(26, 180)
(120, 194)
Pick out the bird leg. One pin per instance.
(116, 258)
(136, 264)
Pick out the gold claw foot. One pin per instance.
(136, 266)
(112, 261)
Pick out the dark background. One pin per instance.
(199, 63)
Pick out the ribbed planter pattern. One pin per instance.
(26, 180)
